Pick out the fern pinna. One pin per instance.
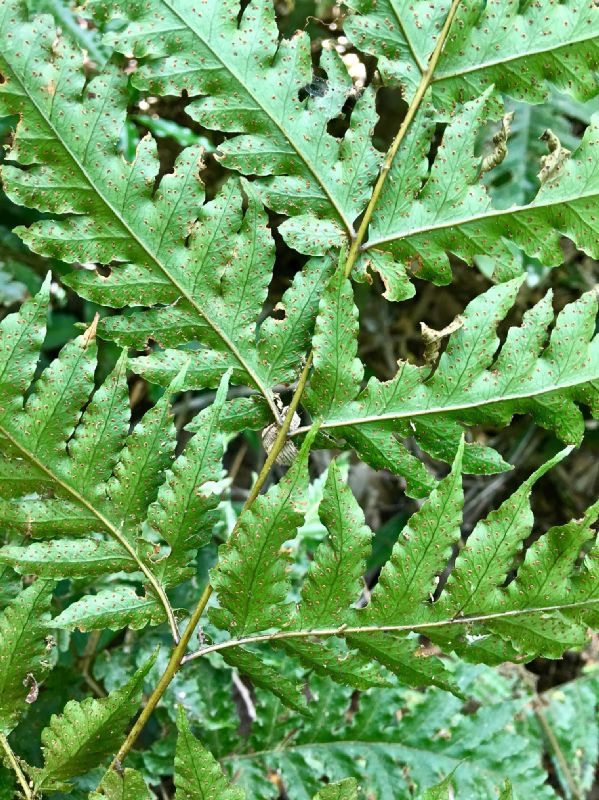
(108, 513)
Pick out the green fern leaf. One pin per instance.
(142, 463)
(101, 435)
(334, 579)
(515, 180)
(442, 791)
(483, 564)
(516, 47)
(21, 342)
(267, 677)
(114, 609)
(421, 552)
(87, 732)
(420, 224)
(68, 558)
(347, 667)
(23, 628)
(283, 343)
(337, 370)
(128, 785)
(198, 775)
(550, 561)
(406, 659)
(250, 577)
(183, 511)
(336, 378)
(213, 53)
(398, 744)
(472, 383)
(110, 213)
(103, 483)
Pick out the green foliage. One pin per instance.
(396, 756)
(425, 214)
(205, 188)
(197, 774)
(103, 485)
(23, 651)
(86, 733)
(214, 57)
(126, 786)
(517, 47)
(546, 376)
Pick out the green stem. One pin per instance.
(178, 654)
(423, 86)
(12, 760)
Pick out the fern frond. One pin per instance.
(475, 614)
(471, 383)
(515, 180)
(398, 743)
(334, 578)
(267, 676)
(337, 376)
(424, 215)
(343, 790)
(517, 47)
(23, 628)
(128, 785)
(250, 577)
(79, 483)
(87, 732)
(250, 82)
(210, 288)
(197, 774)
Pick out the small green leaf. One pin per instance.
(111, 608)
(250, 578)
(23, 652)
(68, 558)
(198, 775)
(87, 732)
(125, 785)
(334, 579)
(342, 790)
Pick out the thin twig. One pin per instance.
(14, 763)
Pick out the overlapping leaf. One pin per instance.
(201, 271)
(518, 47)
(398, 744)
(426, 214)
(199, 776)
(255, 84)
(545, 376)
(23, 653)
(84, 487)
(86, 733)
(544, 610)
